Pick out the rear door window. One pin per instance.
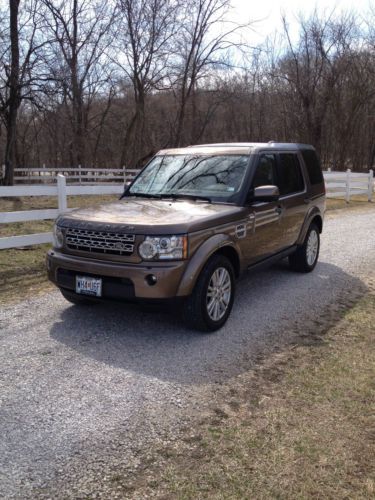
(290, 174)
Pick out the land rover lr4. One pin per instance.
(190, 223)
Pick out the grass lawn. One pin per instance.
(356, 202)
(302, 427)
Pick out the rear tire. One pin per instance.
(208, 307)
(75, 299)
(305, 258)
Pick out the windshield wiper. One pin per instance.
(173, 196)
(194, 197)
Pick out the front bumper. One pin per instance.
(120, 281)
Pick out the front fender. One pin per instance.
(199, 259)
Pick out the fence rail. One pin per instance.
(338, 184)
(78, 175)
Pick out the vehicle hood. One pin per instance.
(148, 216)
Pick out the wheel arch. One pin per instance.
(232, 255)
(314, 216)
(219, 244)
(318, 221)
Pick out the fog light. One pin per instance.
(151, 279)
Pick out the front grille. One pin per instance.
(106, 242)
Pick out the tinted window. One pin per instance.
(290, 175)
(313, 166)
(265, 174)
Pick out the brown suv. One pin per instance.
(190, 223)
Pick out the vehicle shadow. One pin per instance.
(272, 308)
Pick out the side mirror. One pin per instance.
(265, 193)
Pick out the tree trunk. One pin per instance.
(180, 122)
(78, 125)
(136, 134)
(14, 96)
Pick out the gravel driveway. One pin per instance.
(83, 391)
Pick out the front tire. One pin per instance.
(209, 306)
(305, 258)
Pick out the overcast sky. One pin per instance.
(268, 12)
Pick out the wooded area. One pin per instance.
(107, 84)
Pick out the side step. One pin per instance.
(271, 260)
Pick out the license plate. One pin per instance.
(89, 286)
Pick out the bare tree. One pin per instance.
(19, 55)
(312, 68)
(109, 83)
(80, 30)
(11, 105)
(200, 47)
(145, 32)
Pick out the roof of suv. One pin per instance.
(236, 147)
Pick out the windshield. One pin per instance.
(216, 177)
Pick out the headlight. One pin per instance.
(163, 248)
(58, 237)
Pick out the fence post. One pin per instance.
(2, 171)
(124, 168)
(61, 193)
(329, 169)
(347, 195)
(79, 174)
(370, 184)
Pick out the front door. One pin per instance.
(264, 235)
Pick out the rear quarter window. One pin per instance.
(290, 174)
(313, 167)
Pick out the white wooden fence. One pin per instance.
(338, 185)
(61, 190)
(348, 184)
(73, 175)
